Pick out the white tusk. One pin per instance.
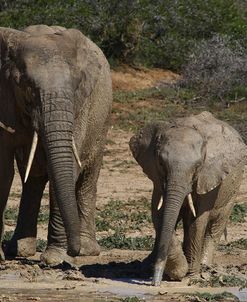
(160, 204)
(191, 205)
(76, 153)
(31, 155)
(9, 129)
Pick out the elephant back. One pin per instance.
(225, 149)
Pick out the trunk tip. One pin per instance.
(158, 273)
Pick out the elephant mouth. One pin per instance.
(189, 200)
(34, 147)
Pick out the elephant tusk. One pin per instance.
(76, 153)
(191, 205)
(8, 129)
(31, 155)
(160, 204)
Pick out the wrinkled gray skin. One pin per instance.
(199, 155)
(56, 82)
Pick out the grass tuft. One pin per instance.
(131, 299)
(229, 247)
(221, 297)
(119, 241)
(222, 281)
(239, 213)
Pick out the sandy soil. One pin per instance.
(115, 273)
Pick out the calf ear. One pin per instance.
(224, 151)
(7, 99)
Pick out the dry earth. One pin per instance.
(114, 273)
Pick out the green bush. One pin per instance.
(154, 33)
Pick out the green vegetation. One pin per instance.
(132, 110)
(152, 33)
(222, 297)
(119, 241)
(229, 247)
(11, 213)
(118, 215)
(43, 214)
(239, 213)
(221, 281)
(8, 235)
(41, 245)
(131, 299)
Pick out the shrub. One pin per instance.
(174, 27)
(217, 68)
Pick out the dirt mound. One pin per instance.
(129, 79)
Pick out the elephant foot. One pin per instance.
(24, 247)
(53, 255)
(89, 247)
(176, 268)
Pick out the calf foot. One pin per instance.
(89, 247)
(24, 247)
(176, 268)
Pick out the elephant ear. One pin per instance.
(225, 149)
(89, 61)
(7, 99)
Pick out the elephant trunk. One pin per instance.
(173, 201)
(58, 116)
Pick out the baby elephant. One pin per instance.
(196, 165)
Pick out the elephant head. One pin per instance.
(190, 154)
(43, 73)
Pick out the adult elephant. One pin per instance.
(195, 158)
(55, 95)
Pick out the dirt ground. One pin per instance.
(115, 274)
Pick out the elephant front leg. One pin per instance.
(86, 188)
(56, 249)
(6, 178)
(86, 198)
(156, 209)
(194, 234)
(23, 242)
(176, 265)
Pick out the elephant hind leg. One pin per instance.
(221, 212)
(214, 231)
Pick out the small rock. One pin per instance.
(163, 293)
